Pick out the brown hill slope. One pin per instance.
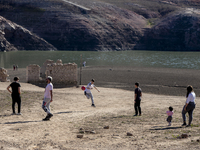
(177, 32)
(13, 37)
(108, 24)
(67, 27)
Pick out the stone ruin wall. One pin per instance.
(62, 74)
(33, 73)
(3, 75)
(43, 68)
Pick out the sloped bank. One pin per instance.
(177, 32)
(66, 27)
(15, 37)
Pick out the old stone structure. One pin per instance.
(43, 68)
(62, 74)
(33, 73)
(3, 75)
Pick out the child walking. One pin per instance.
(170, 113)
(88, 92)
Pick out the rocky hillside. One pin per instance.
(104, 24)
(14, 37)
(177, 32)
(99, 26)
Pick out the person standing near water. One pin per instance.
(137, 100)
(84, 63)
(15, 93)
(189, 106)
(48, 98)
(14, 67)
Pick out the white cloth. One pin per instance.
(191, 98)
(89, 87)
(48, 88)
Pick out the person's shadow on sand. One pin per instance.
(67, 112)
(164, 128)
(20, 122)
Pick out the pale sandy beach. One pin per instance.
(115, 109)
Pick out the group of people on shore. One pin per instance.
(48, 98)
(187, 108)
(16, 98)
(15, 67)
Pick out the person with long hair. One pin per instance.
(189, 105)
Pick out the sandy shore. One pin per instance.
(164, 81)
(72, 111)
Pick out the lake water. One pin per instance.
(188, 60)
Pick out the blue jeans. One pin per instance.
(190, 107)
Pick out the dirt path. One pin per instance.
(72, 111)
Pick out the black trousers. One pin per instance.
(137, 107)
(16, 99)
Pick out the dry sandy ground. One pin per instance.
(72, 111)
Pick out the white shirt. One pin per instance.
(48, 88)
(89, 87)
(191, 98)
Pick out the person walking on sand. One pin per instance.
(15, 94)
(189, 106)
(169, 114)
(14, 67)
(137, 100)
(88, 92)
(48, 98)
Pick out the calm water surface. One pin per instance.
(188, 60)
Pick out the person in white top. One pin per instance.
(88, 92)
(84, 63)
(48, 98)
(189, 106)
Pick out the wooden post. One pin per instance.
(81, 69)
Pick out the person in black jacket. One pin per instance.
(137, 100)
(15, 93)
